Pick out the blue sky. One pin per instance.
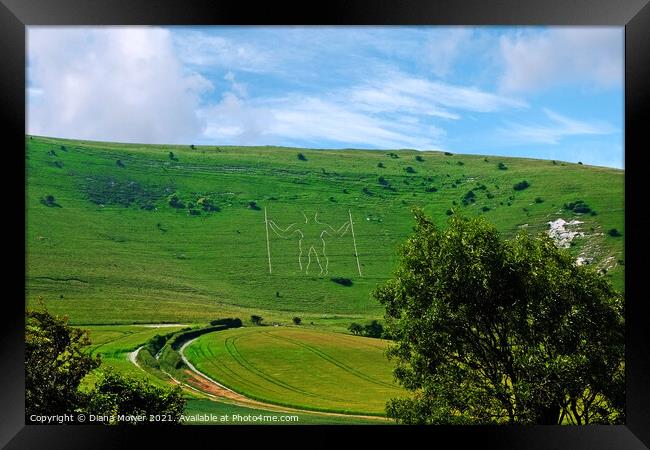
(552, 93)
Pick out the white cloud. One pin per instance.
(552, 133)
(444, 47)
(115, 83)
(202, 49)
(562, 55)
(387, 113)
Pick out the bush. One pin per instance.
(539, 200)
(614, 232)
(119, 163)
(175, 201)
(381, 165)
(256, 320)
(50, 201)
(383, 181)
(229, 322)
(342, 281)
(301, 157)
(449, 212)
(355, 328)
(172, 156)
(431, 189)
(253, 205)
(485, 209)
(419, 158)
(502, 166)
(409, 169)
(206, 204)
(374, 329)
(297, 320)
(521, 185)
(448, 154)
(460, 163)
(192, 147)
(578, 206)
(367, 191)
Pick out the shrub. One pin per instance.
(342, 281)
(355, 328)
(448, 154)
(301, 157)
(449, 212)
(229, 322)
(256, 320)
(578, 206)
(50, 201)
(374, 329)
(502, 166)
(253, 205)
(539, 200)
(460, 163)
(580, 162)
(383, 181)
(119, 163)
(485, 209)
(172, 156)
(409, 169)
(297, 320)
(432, 189)
(521, 185)
(419, 158)
(614, 232)
(192, 147)
(381, 165)
(206, 204)
(175, 201)
(367, 191)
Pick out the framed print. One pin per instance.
(376, 219)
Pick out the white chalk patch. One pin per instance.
(564, 232)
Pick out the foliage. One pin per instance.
(256, 320)
(520, 186)
(50, 201)
(116, 395)
(489, 330)
(302, 157)
(374, 329)
(419, 158)
(614, 232)
(355, 328)
(578, 206)
(502, 166)
(296, 320)
(409, 169)
(56, 360)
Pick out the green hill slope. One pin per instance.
(112, 244)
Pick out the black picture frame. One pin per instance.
(634, 15)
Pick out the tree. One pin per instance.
(355, 328)
(56, 360)
(297, 320)
(116, 395)
(257, 320)
(489, 330)
(302, 157)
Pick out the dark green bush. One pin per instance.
(521, 185)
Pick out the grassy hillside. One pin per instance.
(108, 247)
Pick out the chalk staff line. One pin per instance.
(354, 241)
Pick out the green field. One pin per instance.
(299, 368)
(124, 234)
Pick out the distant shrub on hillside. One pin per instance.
(449, 154)
(614, 232)
(342, 281)
(409, 169)
(230, 322)
(382, 181)
(485, 209)
(419, 158)
(374, 329)
(521, 185)
(367, 191)
(431, 189)
(355, 328)
(172, 156)
(256, 320)
(296, 320)
(302, 157)
(393, 155)
(206, 204)
(192, 147)
(579, 206)
(460, 163)
(119, 163)
(381, 165)
(539, 200)
(253, 205)
(50, 201)
(449, 212)
(502, 166)
(174, 201)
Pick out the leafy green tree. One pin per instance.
(56, 360)
(116, 395)
(489, 330)
(355, 328)
(297, 320)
